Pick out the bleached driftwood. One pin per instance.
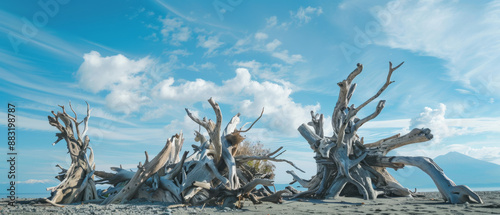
(211, 174)
(77, 183)
(143, 173)
(344, 158)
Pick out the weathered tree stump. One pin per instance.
(77, 183)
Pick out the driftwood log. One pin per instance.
(77, 182)
(344, 159)
(212, 174)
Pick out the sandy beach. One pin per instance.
(430, 204)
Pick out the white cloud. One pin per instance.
(102, 73)
(273, 45)
(174, 31)
(189, 92)
(464, 36)
(212, 43)
(434, 119)
(284, 56)
(260, 36)
(272, 21)
(182, 35)
(479, 150)
(170, 25)
(273, 72)
(245, 95)
(186, 125)
(206, 66)
(117, 74)
(181, 52)
(248, 64)
(443, 128)
(303, 15)
(125, 100)
(153, 37)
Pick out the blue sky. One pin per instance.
(139, 64)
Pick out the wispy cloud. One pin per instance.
(260, 36)
(444, 129)
(211, 43)
(39, 37)
(455, 32)
(304, 15)
(174, 31)
(175, 11)
(290, 59)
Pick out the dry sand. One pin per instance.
(430, 204)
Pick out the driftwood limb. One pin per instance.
(449, 190)
(246, 158)
(143, 173)
(415, 136)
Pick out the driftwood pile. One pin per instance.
(346, 165)
(216, 174)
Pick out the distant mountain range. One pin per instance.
(460, 168)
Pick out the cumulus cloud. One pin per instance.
(303, 15)
(119, 75)
(211, 43)
(463, 36)
(435, 120)
(443, 128)
(245, 95)
(102, 73)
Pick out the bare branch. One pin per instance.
(356, 72)
(379, 108)
(387, 83)
(86, 121)
(253, 122)
(245, 158)
(203, 123)
(317, 123)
